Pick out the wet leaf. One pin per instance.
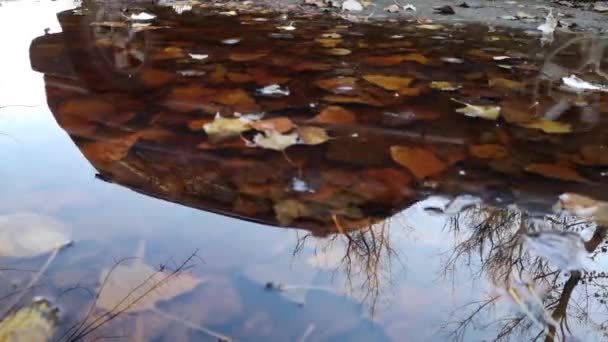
(548, 126)
(36, 322)
(226, 126)
(281, 125)
(397, 59)
(488, 151)
(338, 85)
(109, 150)
(409, 92)
(432, 27)
(273, 140)
(135, 287)
(596, 155)
(155, 78)
(328, 42)
(444, 86)
(504, 83)
(389, 82)
(421, 162)
(26, 235)
(576, 84)
(335, 115)
(556, 172)
(289, 210)
(484, 112)
(338, 52)
(246, 56)
(361, 99)
(310, 135)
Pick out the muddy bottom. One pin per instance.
(202, 174)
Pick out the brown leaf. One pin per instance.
(338, 85)
(281, 125)
(335, 115)
(361, 99)
(596, 155)
(421, 162)
(410, 92)
(504, 83)
(109, 150)
(311, 66)
(88, 108)
(389, 82)
(338, 52)
(170, 52)
(246, 56)
(556, 172)
(310, 135)
(328, 42)
(155, 78)
(397, 59)
(488, 151)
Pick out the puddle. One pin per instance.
(204, 175)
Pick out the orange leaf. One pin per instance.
(155, 78)
(338, 84)
(281, 125)
(488, 151)
(389, 82)
(362, 99)
(556, 172)
(421, 162)
(335, 115)
(311, 66)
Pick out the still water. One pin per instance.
(187, 174)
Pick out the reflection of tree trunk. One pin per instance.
(596, 239)
(560, 310)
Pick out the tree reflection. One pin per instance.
(367, 257)
(550, 303)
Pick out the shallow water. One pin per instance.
(368, 209)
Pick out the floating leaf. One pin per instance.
(389, 82)
(444, 86)
(339, 52)
(484, 112)
(36, 322)
(273, 140)
(310, 135)
(421, 162)
(337, 85)
(548, 126)
(226, 126)
(556, 172)
(28, 235)
(488, 151)
(281, 125)
(335, 115)
(136, 287)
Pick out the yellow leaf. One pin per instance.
(548, 126)
(310, 135)
(433, 27)
(444, 86)
(484, 112)
(273, 140)
(226, 126)
(33, 323)
(389, 82)
(339, 52)
(328, 42)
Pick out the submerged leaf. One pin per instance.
(36, 322)
(488, 151)
(389, 82)
(556, 172)
(421, 162)
(138, 287)
(335, 115)
(549, 126)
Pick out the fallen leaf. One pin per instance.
(338, 52)
(444, 86)
(155, 78)
(246, 56)
(226, 126)
(576, 84)
(488, 151)
(505, 83)
(556, 172)
(422, 163)
(338, 85)
(594, 155)
(136, 287)
(36, 322)
(328, 42)
(280, 125)
(310, 135)
(484, 112)
(273, 140)
(109, 150)
(335, 115)
(548, 126)
(389, 82)
(27, 235)
(416, 57)
(361, 99)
